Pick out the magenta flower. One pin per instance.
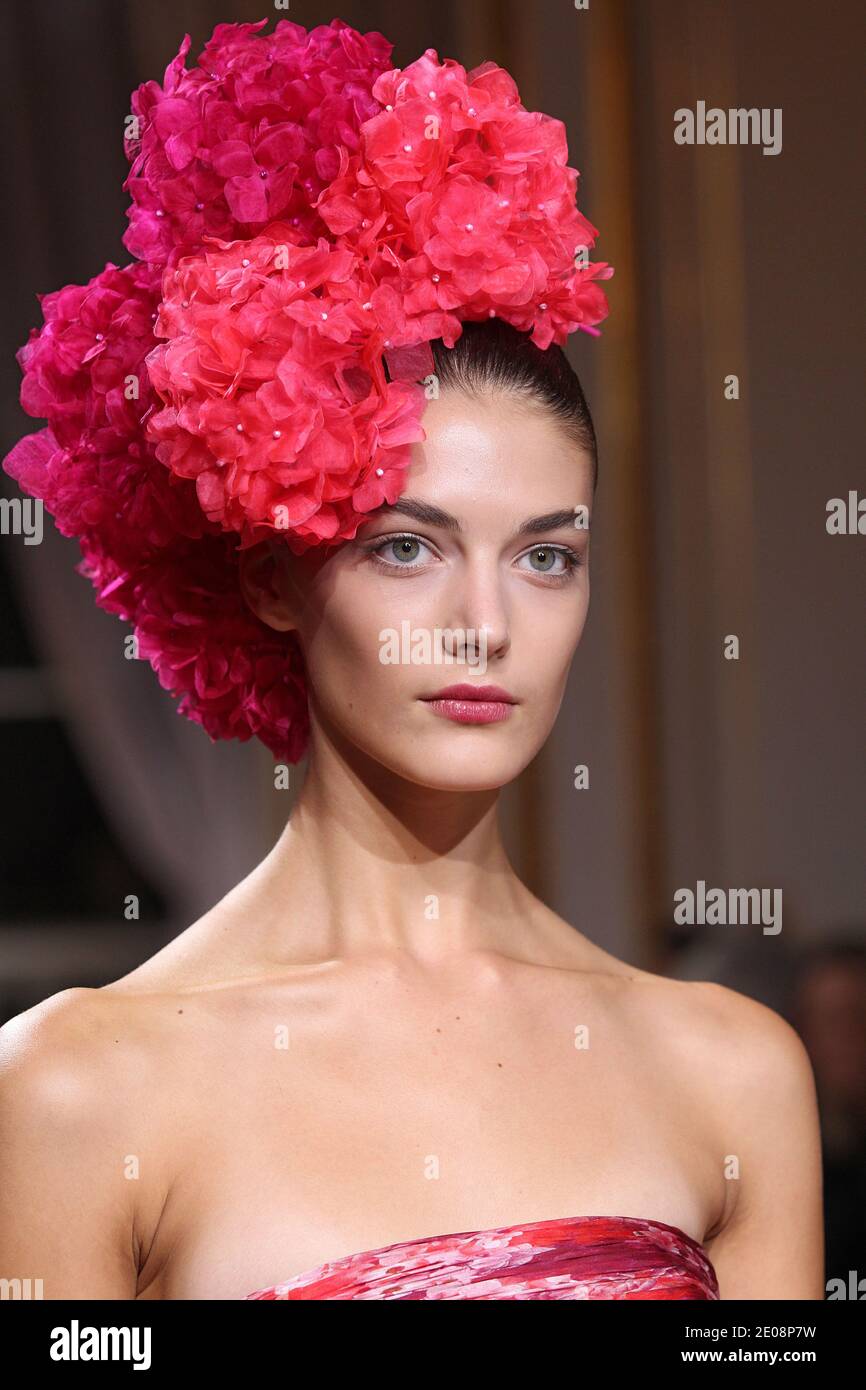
(252, 133)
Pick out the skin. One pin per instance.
(157, 1141)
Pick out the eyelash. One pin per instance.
(572, 559)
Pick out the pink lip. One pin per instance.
(474, 692)
(472, 704)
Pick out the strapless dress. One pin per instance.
(579, 1257)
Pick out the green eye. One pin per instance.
(404, 548)
(403, 552)
(555, 561)
(545, 556)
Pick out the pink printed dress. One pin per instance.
(579, 1257)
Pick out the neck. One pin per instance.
(370, 862)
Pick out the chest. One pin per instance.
(327, 1139)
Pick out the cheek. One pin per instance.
(342, 647)
(550, 636)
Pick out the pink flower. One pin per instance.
(276, 400)
(150, 552)
(463, 200)
(94, 338)
(232, 674)
(84, 373)
(252, 133)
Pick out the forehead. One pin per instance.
(497, 446)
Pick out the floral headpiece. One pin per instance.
(303, 216)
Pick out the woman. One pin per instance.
(380, 1066)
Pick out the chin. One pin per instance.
(463, 780)
(458, 759)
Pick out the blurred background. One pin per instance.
(710, 521)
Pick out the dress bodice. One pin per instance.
(577, 1257)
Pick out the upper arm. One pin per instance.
(772, 1245)
(66, 1204)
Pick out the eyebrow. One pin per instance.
(426, 513)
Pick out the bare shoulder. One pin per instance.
(70, 1053)
(753, 1078)
(86, 1064)
(81, 1170)
(55, 1035)
(760, 1070)
(772, 1244)
(74, 1022)
(739, 1059)
(741, 1050)
(730, 1048)
(747, 1044)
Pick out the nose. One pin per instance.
(479, 611)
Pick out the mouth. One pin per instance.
(472, 704)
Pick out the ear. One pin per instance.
(266, 587)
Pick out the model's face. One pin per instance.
(378, 619)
